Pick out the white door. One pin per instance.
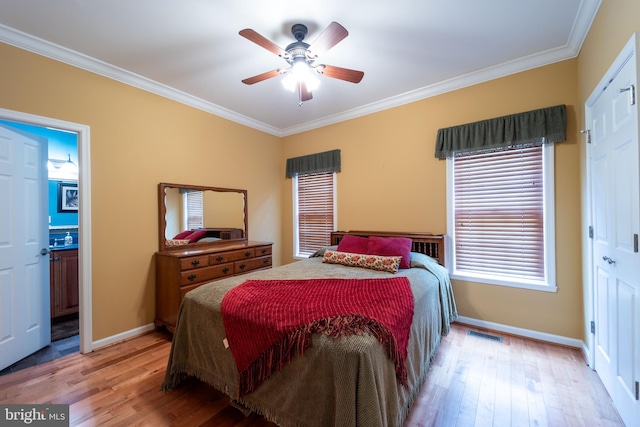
(615, 198)
(25, 323)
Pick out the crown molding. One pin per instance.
(584, 19)
(470, 79)
(50, 50)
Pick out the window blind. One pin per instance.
(194, 212)
(315, 211)
(498, 213)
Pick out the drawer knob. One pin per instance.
(266, 261)
(225, 270)
(219, 258)
(191, 277)
(242, 266)
(195, 262)
(247, 253)
(264, 251)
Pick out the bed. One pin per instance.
(346, 381)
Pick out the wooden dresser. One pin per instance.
(181, 270)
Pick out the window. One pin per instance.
(500, 185)
(192, 215)
(314, 189)
(500, 217)
(314, 211)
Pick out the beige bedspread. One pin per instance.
(346, 382)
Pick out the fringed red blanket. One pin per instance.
(268, 322)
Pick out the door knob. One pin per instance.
(44, 251)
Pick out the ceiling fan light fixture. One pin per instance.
(289, 82)
(300, 72)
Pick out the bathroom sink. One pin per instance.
(63, 247)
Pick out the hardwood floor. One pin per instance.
(473, 382)
(519, 382)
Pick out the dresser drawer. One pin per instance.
(194, 262)
(263, 250)
(231, 256)
(204, 274)
(252, 264)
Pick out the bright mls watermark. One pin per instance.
(34, 415)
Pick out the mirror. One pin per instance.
(216, 214)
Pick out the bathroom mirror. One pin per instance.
(192, 216)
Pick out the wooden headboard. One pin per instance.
(424, 243)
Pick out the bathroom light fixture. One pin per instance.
(69, 166)
(62, 169)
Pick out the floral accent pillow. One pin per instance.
(373, 262)
(177, 242)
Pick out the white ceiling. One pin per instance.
(190, 50)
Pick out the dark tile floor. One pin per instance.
(53, 351)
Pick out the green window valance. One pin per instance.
(537, 127)
(328, 161)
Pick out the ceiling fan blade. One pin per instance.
(251, 35)
(261, 77)
(305, 94)
(345, 74)
(330, 37)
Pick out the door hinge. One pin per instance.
(591, 231)
(637, 390)
(593, 327)
(635, 243)
(588, 133)
(632, 90)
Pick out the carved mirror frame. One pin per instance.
(162, 211)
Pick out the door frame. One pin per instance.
(629, 51)
(84, 214)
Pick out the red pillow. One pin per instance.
(182, 235)
(353, 244)
(196, 235)
(391, 246)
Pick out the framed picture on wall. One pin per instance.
(67, 197)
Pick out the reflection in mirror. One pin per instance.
(196, 215)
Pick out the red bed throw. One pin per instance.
(268, 322)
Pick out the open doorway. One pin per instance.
(63, 232)
(80, 236)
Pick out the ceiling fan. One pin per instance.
(301, 57)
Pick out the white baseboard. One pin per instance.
(528, 333)
(123, 336)
(541, 336)
(587, 354)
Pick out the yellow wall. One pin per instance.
(390, 180)
(139, 139)
(173, 215)
(388, 157)
(223, 210)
